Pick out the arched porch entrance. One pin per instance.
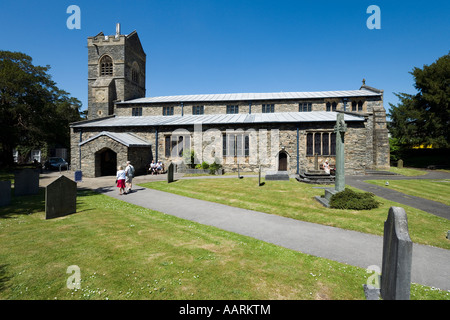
(105, 162)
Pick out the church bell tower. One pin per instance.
(116, 71)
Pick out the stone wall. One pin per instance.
(265, 143)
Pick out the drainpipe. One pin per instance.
(182, 109)
(156, 142)
(345, 104)
(79, 148)
(250, 108)
(298, 146)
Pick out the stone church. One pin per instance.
(282, 131)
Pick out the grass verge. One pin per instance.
(436, 190)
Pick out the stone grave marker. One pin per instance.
(339, 181)
(340, 130)
(400, 164)
(5, 193)
(170, 173)
(397, 257)
(60, 198)
(259, 176)
(26, 182)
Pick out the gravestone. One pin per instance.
(170, 173)
(5, 193)
(26, 182)
(400, 164)
(60, 198)
(397, 257)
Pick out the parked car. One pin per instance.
(54, 163)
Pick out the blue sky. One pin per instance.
(231, 46)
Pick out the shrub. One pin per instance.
(213, 167)
(205, 165)
(349, 199)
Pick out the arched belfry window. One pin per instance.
(106, 66)
(135, 72)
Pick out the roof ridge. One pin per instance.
(252, 96)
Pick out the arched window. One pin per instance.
(135, 72)
(106, 66)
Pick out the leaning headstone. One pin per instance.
(60, 198)
(170, 173)
(397, 257)
(400, 164)
(26, 182)
(5, 193)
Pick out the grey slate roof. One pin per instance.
(254, 96)
(127, 139)
(217, 119)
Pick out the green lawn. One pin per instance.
(410, 172)
(128, 252)
(296, 200)
(436, 190)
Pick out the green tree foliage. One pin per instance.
(33, 111)
(424, 118)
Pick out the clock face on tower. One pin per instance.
(100, 96)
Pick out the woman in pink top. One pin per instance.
(120, 178)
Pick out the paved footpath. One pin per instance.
(430, 265)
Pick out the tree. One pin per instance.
(34, 112)
(424, 118)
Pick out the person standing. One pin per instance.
(129, 177)
(326, 167)
(120, 179)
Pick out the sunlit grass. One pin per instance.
(436, 190)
